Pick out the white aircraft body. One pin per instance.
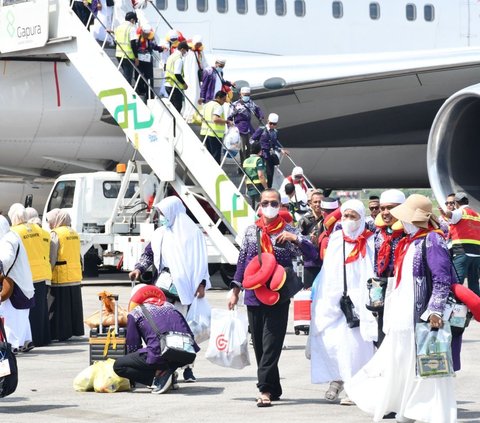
(357, 85)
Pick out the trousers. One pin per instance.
(134, 367)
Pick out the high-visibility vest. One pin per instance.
(32, 237)
(171, 79)
(250, 166)
(465, 234)
(122, 38)
(213, 129)
(68, 267)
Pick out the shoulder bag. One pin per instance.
(18, 298)
(8, 366)
(175, 347)
(346, 303)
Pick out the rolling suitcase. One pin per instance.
(302, 303)
(107, 342)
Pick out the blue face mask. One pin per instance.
(246, 98)
(164, 221)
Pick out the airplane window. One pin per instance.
(161, 4)
(337, 9)
(62, 196)
(242, 7)
(299, 7)
(261, 7)
(429, 12)
(374, 11)
(280, 7)
(202, 5)
(411, 12)
(222, 6)
(182, 5)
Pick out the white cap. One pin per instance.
(172, 35)
(197, 39)
(147, 28)
(245, 90)
(273, 117)
(220, 60)
(297, 170)
(394, 196)
(329, 204)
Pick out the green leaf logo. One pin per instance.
(10, 21)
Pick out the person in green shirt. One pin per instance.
(254, 167)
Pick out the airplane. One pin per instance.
(357, 85)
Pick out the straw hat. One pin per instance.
(417, 209)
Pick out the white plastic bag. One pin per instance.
(232, 141)
(198, 318)
(228, 346)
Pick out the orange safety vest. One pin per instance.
(465, 234)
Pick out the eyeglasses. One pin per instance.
(273, 203)
(272, 123)
(449, 203)
(298, 177)
(374, 208)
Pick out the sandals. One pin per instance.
(264, 400)
(333, 391)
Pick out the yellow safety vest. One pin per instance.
(170, 70)
(68, 267)
(213, 129)
(33, 237)
(250, 166)
(122, 37)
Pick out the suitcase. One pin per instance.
(302, 303)
(107, 342)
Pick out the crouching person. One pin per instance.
(143, 365)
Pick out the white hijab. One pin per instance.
(328, 285)
(182, 248)
(17, 214)
(18, 269)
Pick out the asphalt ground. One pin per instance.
(45, 392)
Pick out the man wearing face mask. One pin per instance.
(241, 112)
(213, 81)
(338, 351)
(268, 324)
(175, 81)
(178, 248)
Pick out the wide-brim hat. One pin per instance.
(417, 209)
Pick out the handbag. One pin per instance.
(175, 347)
(377, 288)
(8, 366)
(165, 283)
(434, 354)
(274, 158)
(346, 304)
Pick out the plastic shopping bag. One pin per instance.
(434, 352)
(228, 346)
(198, 318)
(83, 382)
(232, 141)
(106, 380)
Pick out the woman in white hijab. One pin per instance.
(14, 264)
(338, 351)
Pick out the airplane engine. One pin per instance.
(453, 153)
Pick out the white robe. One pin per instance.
(190, 69)
(105, 16)
(388, 383)
(337, 351)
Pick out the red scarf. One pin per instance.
(385, 250)
(274, 227)
(360, 247)
(298, 182)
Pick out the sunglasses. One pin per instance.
(374, 208)
(271, 123)
(273, 203)
(449, 203)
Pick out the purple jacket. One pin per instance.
(241, 114)
(210, 75)
(167, 319)
(284, 256)
(268, 140)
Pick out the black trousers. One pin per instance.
(214, 147)
(147, 71)
(244, 147)
(268, 326)
(176, 98)
(134, 367)
(270, 169)
(38, 316)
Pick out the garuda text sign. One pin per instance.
(23, 24)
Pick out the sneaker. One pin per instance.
(163, 382)
(175, 381)
(188, 375)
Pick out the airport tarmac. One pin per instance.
(45, 392)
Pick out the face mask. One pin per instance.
(409, 228)
(220, 70)
(350, 226)
(164, 221)
(270, 212)
(245, 98)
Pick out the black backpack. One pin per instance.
(8, 383)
